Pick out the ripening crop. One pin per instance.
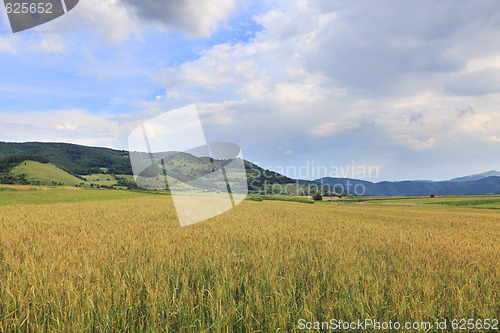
(126, 265)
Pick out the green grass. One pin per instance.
(478, 201)
(130, 178)
(253, 198)
(31, 195)
(46, 174)
(286, 198)
(100, 179)
(472, 202)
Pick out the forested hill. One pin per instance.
(75, 159)
(83, 160)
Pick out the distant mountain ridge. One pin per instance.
(485, 183)
(477, 176)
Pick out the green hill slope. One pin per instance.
(45, 174)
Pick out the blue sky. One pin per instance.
(411, 89)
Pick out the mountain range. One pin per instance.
(76, 163)
(484, 183)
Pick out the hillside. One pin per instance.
(74, 159)
(94, 163)
(45, 174)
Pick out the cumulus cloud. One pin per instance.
(359, 74)
(463, 111)
(373, 46)
(117, 20)
(480, 82)
(112, 20)
(326, 129)
(67, 127)
(417, 118)
(416, 143)
(198, 18)
(74, 126)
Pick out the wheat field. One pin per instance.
(127, 266)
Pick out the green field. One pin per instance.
(100, 179)
(37, 195)
(74, 260)
(479, 201)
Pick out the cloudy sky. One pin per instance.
(411, 88)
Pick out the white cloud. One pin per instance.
(416, 143)
(477, 123)
(198, 18)
(52, 44)
(8, 45)
(117, 20)
(67, 127)
(74, 126)
(327, 129)
(111, 19)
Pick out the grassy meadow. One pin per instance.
(45, 174)
(48, 174)
(477, 201)
(115, 261)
